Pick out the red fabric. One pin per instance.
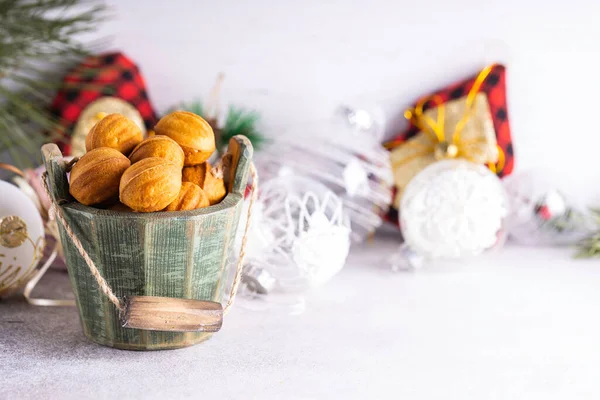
(494, 87)
(97, 76)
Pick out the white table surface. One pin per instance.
(518, 324)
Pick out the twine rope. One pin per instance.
(238, 271)
(12, 169)
(56, 212)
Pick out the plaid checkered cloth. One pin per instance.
(494, 87)
(111, 74)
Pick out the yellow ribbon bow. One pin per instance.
(461, 128)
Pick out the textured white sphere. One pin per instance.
(452, 209)
(21, 237)
(299, 233)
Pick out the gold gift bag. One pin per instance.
(461, 128)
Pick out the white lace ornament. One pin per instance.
(300, 235)
(453, 209)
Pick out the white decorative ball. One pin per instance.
(21, 238)
(453, 209)
(299, 233)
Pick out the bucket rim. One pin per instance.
(231, 200)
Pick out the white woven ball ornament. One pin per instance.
(453, 209)
(299, 233)
(21, 238)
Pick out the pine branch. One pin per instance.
(37, 42)
(243, 122)
(237, 122)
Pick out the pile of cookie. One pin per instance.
(168, 171)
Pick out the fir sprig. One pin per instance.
(238, 121)
(242, 122)
(38, 39)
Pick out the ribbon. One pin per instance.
(451, 146)
(461, 128)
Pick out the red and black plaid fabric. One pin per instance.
(98, 76)
(494, 87)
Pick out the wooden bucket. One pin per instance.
(185, 254)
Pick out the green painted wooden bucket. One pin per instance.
(185, 254)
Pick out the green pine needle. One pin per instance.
(37, 44)
(237, 122)
(242, 122)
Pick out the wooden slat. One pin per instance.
(173, 315)
(239, 154)
(57, 175)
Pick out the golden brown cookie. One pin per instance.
(158, 146)
(190, 197)
(192, 132)
(195, 174)
(150, 184)
(115, 131)
(96, 176)
(210, 181)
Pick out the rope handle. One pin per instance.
(238, 271)
(13, 169)
(56, 212)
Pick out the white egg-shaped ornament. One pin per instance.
(453, 209)
(21, 238)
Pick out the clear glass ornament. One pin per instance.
(542, 215)
(450, 210)
(345, 155)
(405, 259)
(299, 239)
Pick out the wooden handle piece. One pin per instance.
(173, 315)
